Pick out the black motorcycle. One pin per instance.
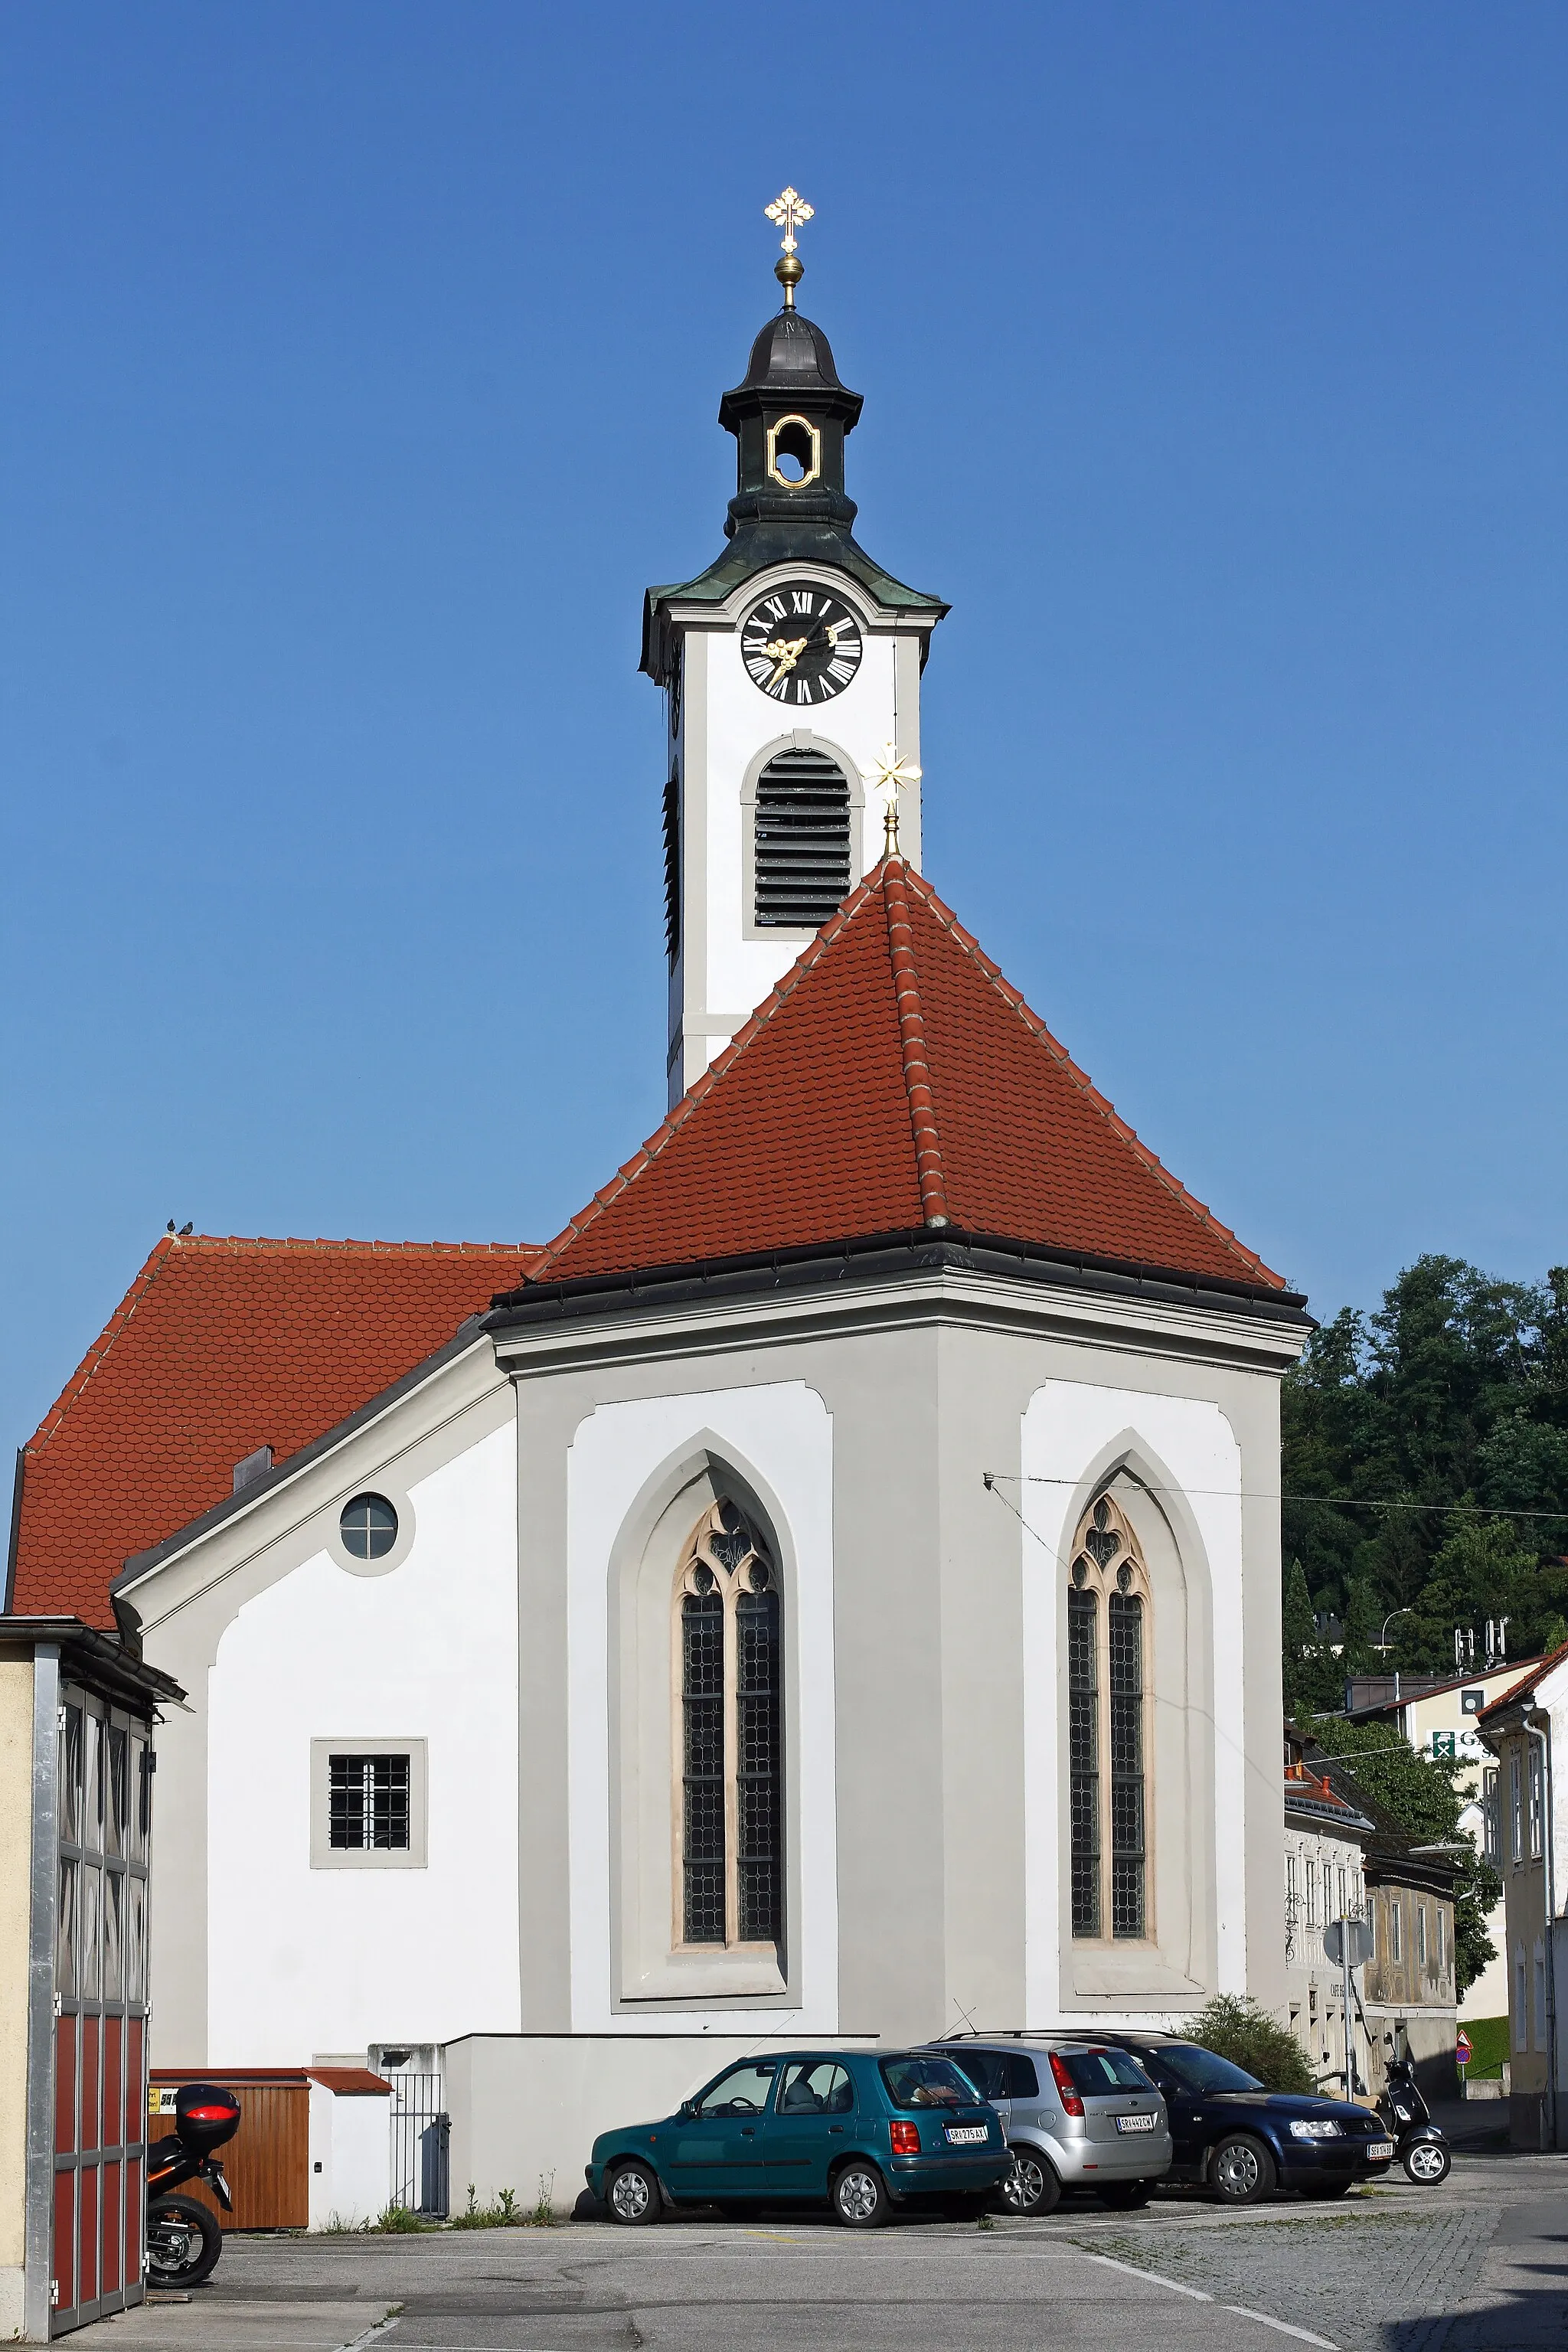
(1418, 2141)
(183, 2240)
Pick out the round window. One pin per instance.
(368, 1526)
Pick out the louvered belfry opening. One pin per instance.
(801, 842)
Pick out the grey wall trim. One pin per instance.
(40, 2160)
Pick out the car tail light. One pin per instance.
(906, 2138)
(1071, 2103)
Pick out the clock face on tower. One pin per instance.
(801, 644)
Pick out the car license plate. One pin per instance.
(966, 2134)
(1135, 2123)
(1379, 2151)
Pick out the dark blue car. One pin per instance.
(862, 2131)
(1243, 2141)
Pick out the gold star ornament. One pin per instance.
(892, 775)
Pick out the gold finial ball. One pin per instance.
(789, 270)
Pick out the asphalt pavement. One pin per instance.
(1478, 2265)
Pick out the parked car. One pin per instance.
(1078, 2113)
(1243, 2141)
(865, 2131)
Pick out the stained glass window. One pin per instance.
(731, 1736)
(1106, 1730)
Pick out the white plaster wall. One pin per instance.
(350, 2139)
(1066, 1425)
(858, 721)
(306, 1960)
(782, 1434)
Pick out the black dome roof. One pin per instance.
(793, 358)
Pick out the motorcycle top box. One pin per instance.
(205, 2116)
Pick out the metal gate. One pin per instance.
(100, 2008)
(420, 2133)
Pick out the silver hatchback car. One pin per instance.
(1078, 2114)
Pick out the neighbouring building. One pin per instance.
(1439, 1715)
(1325, 1841)
(78, 1708)
(1522, 1729)
(832, 1589)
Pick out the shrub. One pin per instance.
(1237, 2029)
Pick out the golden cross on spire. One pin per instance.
(788, 212)
(894, 775)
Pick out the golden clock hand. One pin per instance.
(785, 652)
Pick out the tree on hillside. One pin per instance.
(1454, 1393)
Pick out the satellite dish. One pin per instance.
(1360, 1934)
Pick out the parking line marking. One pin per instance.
(1283, 2325)
(1135, 2270)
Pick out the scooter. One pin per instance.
(1418, 2141)
(183, 2238)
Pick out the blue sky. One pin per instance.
(361, 369)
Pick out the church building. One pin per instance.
(831, 1589)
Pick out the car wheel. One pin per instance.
(1428, 2163)
(633, 2196)
(184, 2242)
(1121, 2196)
(1032, 2188)
(859, 2194)
(1242, 2171)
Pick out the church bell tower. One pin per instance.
(789, 668)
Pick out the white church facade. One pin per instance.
(831, 1591)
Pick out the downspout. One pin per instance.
(1535, 1732)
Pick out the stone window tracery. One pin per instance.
(1108, 1734)
(729, 1670)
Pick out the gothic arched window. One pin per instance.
(1108, 1700)
(729, 1662)
(801, 863)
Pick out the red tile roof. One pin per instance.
(1524, 1690)
(220, 1347)
(894, 1080)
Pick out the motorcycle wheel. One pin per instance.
(1428, 2162)
(184, 2242)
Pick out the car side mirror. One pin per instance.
(688, 2106)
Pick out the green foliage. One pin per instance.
(1454, 1393)
(1488, 2041)
(1237, 2029)
(396, 2219)
(1419, 1796)
(504, 2213)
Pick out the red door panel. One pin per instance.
(111, 2198)
(65, 2086)
(64, 2241)
(87, 2237)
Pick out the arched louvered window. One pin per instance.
(729, 1662)
(1107, 1730)
(672, 868)
(802, 844)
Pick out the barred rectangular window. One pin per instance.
(367, 1801)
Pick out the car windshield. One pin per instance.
(1098, 2072)
(926, 2083)
(1201, 2071)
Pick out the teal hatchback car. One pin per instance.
(859, 2130)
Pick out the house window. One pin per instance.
(1520, 2000)
(1536, 1809)
(1442, 1940)
(367, 1804)
(801, 868)
(1421, 1934)
(1311, 1895)
(1107, 1736)
(368, 1800)
(1395, 1931)
(1516, 1805)
(1491, 1828)
(1540, 1994)
(672, 868)
(729, 1662)
(368, 1526)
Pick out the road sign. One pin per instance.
(1462, 2050)
(1360, 1934)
